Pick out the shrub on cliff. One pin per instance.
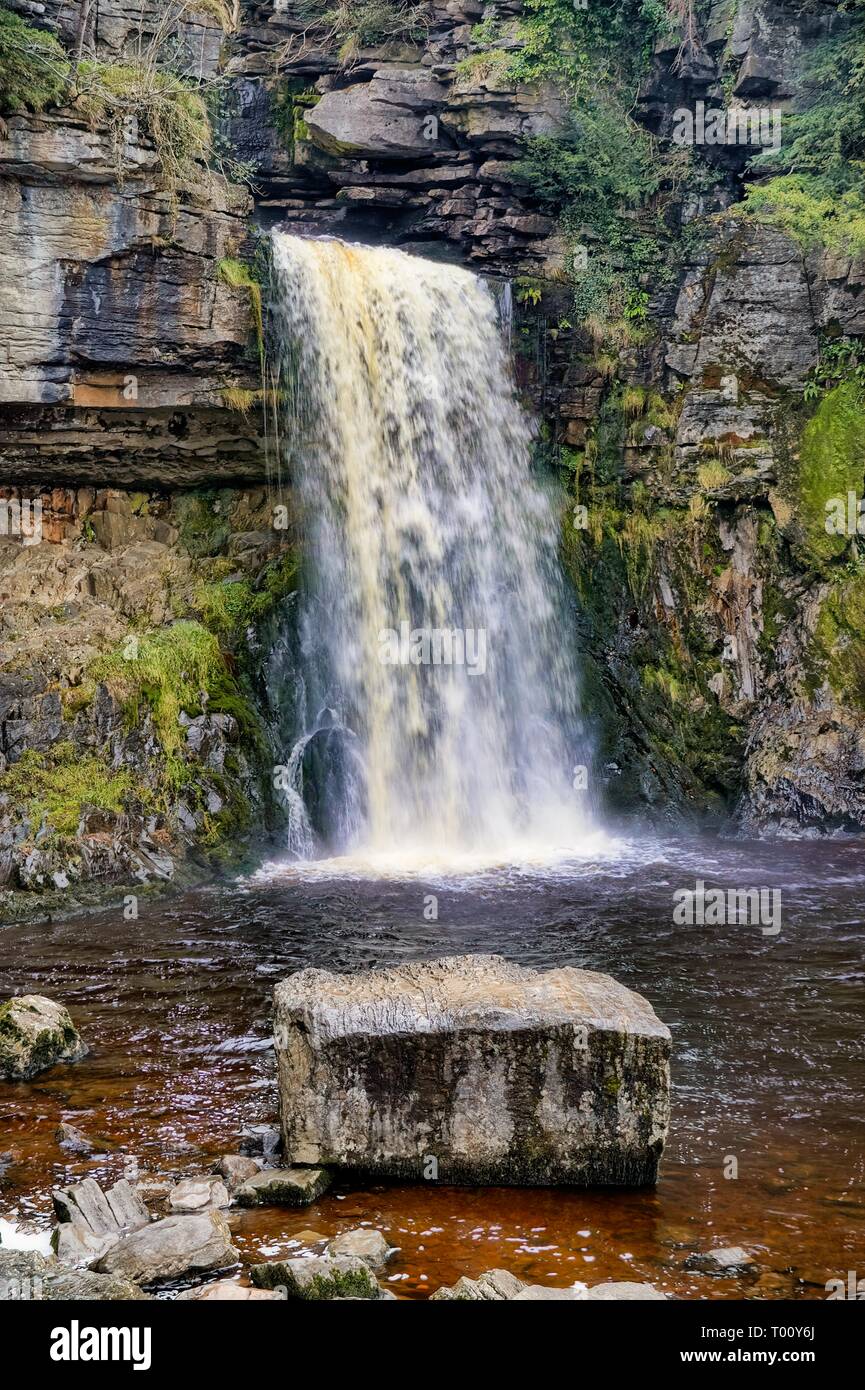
(139, 99)
(34, 68)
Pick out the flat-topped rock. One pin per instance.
(471, 1069)
(286, 1187)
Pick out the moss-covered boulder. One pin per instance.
(318, 1279)
(35, 1033)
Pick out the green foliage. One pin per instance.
(55, 788)
(33, 66)
(832, 463)
(825, 137)
(810, 211)
(168, 669)
(165, 108)
(841, 359)
(817, 192)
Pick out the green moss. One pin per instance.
(168, 669)
(34, 68)
(55, 788)
(229, 606)
(239, 276)
(838, 650)
(831, 464)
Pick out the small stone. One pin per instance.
(369, 1246)
(35, 1033)
(287, 1187)
(236, 1169)
(318, 1278)
(198, 1194)
(309, 1237)
(728, 1260)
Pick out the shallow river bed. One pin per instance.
(767, 1057)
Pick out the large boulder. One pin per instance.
(35, 1033)
(473, 1070)
(176, 1245)
(387, 118)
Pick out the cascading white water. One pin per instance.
(436, 657)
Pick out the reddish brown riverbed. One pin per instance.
(768, 1060)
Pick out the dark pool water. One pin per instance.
(768, 1058)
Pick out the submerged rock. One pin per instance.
(176, 1245)
(287, 1187)
(471, 1069)
(260, 1141)
(730, 1261)
(35, 1033)
(623, 1292)
(26, 1275)
(318, 1278)
(369, 1246)
(68, 1137)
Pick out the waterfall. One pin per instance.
(441, 690)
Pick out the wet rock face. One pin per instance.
(472, 1070)
(35, 1033)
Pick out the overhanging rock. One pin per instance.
(471, 1069)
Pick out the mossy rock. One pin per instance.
(35, 1033)
(319, 1279)
(831, 464)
